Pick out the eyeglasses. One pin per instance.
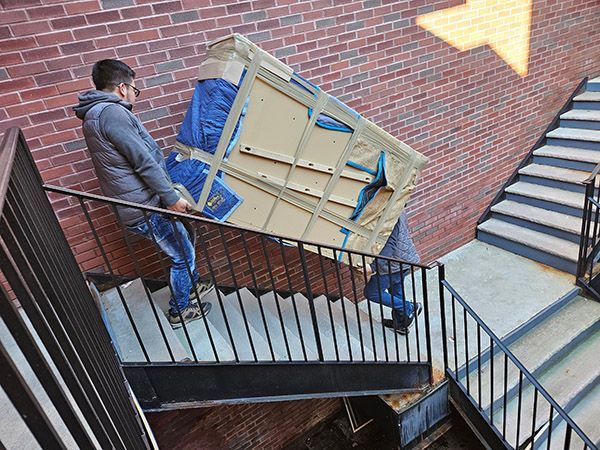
(136, 91)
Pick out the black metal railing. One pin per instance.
(319, 321)
(589, 244)
(491, 376)
(58, 328)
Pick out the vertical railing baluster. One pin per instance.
(414, 303)
(213, 277)
(261, 308)
(519, 406)
(534, 418)
(504, 397)
(327, 294)
(358, 321)
(392, 292)
(311, 303)
(479, 366)
(366, 278)
(427, 323)
(293, 298)
(454, 337)
(491, 380)
(550, 427)
(568, 438)
(465, 324)
(341, 294)
(239, 299)
(376, 275)
(441, 288)
(273, 287)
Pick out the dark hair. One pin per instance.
(111, 72)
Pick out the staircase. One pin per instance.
(538, 215)
(244, 327)
(560, 347)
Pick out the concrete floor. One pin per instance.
(504, 289)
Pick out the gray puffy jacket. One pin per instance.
(129, 164)
(399, 245)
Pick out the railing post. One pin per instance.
(441, 278)
(309, 296)
(427, 324)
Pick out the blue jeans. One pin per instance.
(173, 239)
(379, 289)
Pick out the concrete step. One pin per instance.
(199, 332)
(567, 157)
(380, 343)
(582, 114)
(538, 349)
(559, 200)
(539, 216)
(556, 177)
(566, 381)
(559, 248)
(588, 96)
(148, 319)
(227, 318)
(575, 134)
(585, 415)
(593, 85)
(295, 311)
(336, 336)
(574, 137)
(263, 316)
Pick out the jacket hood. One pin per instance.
(91, 98)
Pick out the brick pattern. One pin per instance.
(262, 425)
(468, 111)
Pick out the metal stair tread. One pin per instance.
(582, 114)
(554, 173)
(534, 239)
(570, 153)
(197, 331)
(146, 324)
(579, 134)
(563, 381)
(555, 195)
(588, 96)
(541, 216)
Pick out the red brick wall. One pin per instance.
(262, 425)
(467, 111)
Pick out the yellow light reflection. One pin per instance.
(504, 25)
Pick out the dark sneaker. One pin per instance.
(202, 288)
(189, 314)
(403, 323)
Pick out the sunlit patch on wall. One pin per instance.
(504, 25)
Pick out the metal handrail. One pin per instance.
(523, 370)
(341, 341)
(8, 149)
(196, 218)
